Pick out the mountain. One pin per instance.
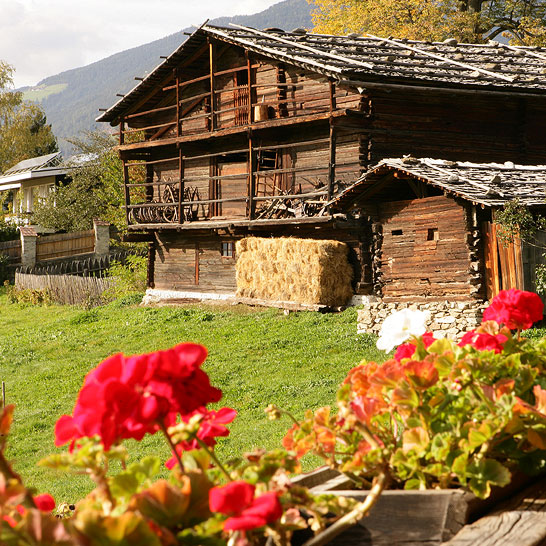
(71, 99)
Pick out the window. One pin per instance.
(432, 234)
(397, 232)
(228, 250)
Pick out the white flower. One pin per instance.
(400, 326)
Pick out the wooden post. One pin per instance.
(180, 185)
(249, 70)
(126, 188)
(151, 265)
(196, 264)
(121, 131)
(332, 96)
(212, 66)
(251, 180)
(177, 79)
(332, 162)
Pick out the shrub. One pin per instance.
(130, 277)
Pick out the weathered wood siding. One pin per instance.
(456, 127)
(60, 245)
(424, 249)
(193, 263)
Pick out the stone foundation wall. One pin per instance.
(447, 319)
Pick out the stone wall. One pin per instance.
(447, 319)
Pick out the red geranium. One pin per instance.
(44, 502)
(484, 341)
(127, 397)
(236, 499)
(212, 425)
(406, 350)
(516, 309)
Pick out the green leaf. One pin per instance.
(415, 439)
(441, 346)
(459, 467)
(476, 438)
(485, 473)
(413, 484)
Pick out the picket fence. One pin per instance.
(67, 289)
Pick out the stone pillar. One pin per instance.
(28, 246)
(102, 238)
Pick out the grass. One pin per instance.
(256, 357)
(38, 94)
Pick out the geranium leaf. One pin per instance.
(415, 439)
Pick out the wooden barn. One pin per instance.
(268, 133)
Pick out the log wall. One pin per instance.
(457, 127)
(424, 250)
(193, 262)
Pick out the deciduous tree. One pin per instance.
(524, 21)
(24, 132)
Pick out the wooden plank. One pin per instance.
(506, 529)
(212, 69)
(491, 260)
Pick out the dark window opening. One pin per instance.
(397, 232)
(228, 250)
(432, 234)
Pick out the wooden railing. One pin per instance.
(219, 100)
(302, 189)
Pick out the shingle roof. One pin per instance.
(370, 59)
(490, 184)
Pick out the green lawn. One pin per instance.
(256, 357)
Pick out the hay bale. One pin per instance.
(305, 271)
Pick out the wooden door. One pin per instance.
(233, 188)
(503, 262)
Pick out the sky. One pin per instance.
(41, 38)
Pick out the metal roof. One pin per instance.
(35, 163)
(358, 60)
(489, 184)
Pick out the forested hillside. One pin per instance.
(71, 99)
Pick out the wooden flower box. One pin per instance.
(407, 518)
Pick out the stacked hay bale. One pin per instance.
(306, 271)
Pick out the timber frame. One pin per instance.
(242, 131)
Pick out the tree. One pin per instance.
(524, 21)
(24, 132)
(95, 189)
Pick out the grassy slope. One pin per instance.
(256, 357)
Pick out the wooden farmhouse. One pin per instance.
(242, 132)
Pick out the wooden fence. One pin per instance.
(66, 289)
(11, 249)
(60, 245)
(80, 266)
(51, 247)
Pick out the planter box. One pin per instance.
(407, 518)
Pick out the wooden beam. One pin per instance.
(249, 76)
(332, 86)
(251, 179)
(165, 80)
(126, 190)
(177, 77)
(196, 264)
(212, 69)
(180, 185)
(332, 162)
(122, 131)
